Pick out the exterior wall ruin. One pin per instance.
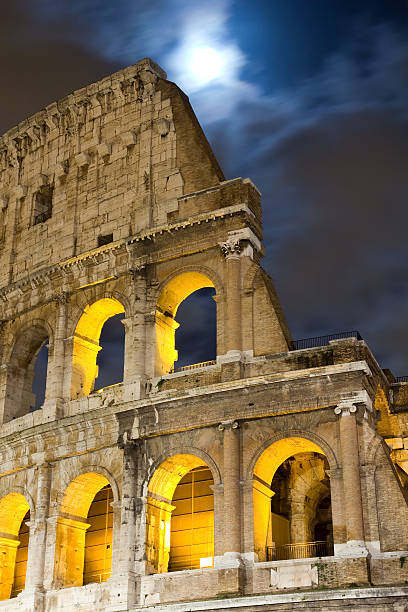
(140, 217)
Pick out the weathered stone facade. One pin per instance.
(111, 201)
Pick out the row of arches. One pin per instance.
(98, 344)
(291, 508)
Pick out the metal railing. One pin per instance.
(399, 379)
(195, 366)
(306, 343)
(303, 550)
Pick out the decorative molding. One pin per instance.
(345, 409)
(228, 425)
(231, 249)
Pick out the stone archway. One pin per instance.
(178, 534)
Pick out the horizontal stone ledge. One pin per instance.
(366, 595)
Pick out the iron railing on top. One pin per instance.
(324, 340)
(399, 379)
(302, 550)
(195, 366)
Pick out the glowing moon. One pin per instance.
(206, 64)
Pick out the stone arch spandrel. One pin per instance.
(16, 334)
(85, 299)
(318, 444)
(191, 454)
(196, 277)
(69, 474)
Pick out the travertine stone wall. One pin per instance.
(126, 160)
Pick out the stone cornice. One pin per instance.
(43, 276)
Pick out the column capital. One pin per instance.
(61, 297)
(138, 272)
(345, 408)
(231, 249)
(228, 425)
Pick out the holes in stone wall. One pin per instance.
(106, 239)
(43, 204)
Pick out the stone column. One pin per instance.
(38, 531)
(232, 493)
(56, 363)
(135, 339)
(123, 566)
(373, 536)
(351, 474)
(232, 337)
(338, 518)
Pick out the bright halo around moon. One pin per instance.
(206, 64)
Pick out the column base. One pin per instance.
(232, 356)
(52, 409)
(32, 600)
(134, 390)
(351, 548)
(230, 573)
(126, 591)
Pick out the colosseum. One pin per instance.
(274, 477)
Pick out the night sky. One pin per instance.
(312, 105)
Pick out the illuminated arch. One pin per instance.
(13, 508)
(265, 463)
(71, 528)
(19, 397)
(162, 488)
(86, 344)
(172, 293)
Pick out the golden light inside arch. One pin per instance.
(80, 493)
(86, 344)
(278, 452)
(264, 471)
(13, 508)
(176, 290)
(166, 477)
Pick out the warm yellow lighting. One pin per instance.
(72, 526)
(264, 471)
(177, 290)
(86, 344)
(98, 282)
(13, 508)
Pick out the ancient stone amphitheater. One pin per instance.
(272, 478)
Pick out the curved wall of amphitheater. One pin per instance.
(159, 490)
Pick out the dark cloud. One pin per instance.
(41, 61)
(329, 154)
(331, 161)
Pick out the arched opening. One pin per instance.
(86, 344)
(292, 504)
(98, 538)
(81, 558)
(173, 294)
(110, 360)
(26, 374)
(14, 513)
(196, 337)
(180, 516)
(40, 376)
